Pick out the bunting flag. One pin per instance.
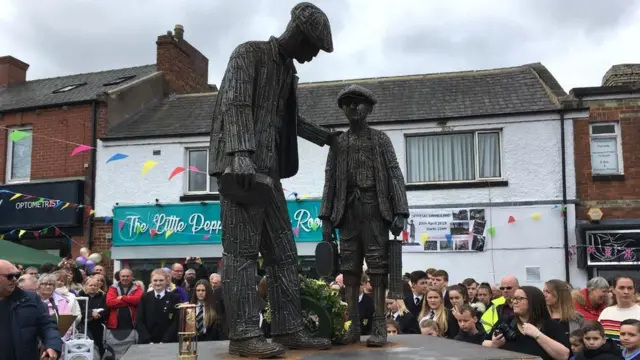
(536, 216)
(424, 238)
(38, 233)
(17, 135)
(206, 237)
(153, 232)
(296, 231)
(176, 171)
(167, 234)
(150, 164)
(117, 156)
(107, 219)
(80, 149)
(511, 220)
(492, 231)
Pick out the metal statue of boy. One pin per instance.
(253, 146)
(365, 198)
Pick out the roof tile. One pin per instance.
(39, 93)
(527, 88)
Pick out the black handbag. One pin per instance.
(327, 256)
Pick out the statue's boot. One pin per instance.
(352, 336)
(301, 340)
(378, 336)
(255, 347)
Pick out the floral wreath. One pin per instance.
(327, 298)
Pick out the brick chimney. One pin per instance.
(185, 69)
(622, 74)
(12, 71)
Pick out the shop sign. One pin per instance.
(613, 247)
(197, 223)
(37, 205)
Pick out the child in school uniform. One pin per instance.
(429, 327)
(596, 345)
(468, 322)
(630, 339)
(575, 339)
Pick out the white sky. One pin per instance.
(578, 40)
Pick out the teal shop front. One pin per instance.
(197, 223)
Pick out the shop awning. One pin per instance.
(19, 254)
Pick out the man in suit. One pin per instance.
(419, 288)
(254, 131)
(365, 197)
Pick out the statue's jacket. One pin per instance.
(247, 107)
(390, 186)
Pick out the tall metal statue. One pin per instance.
(253, 146)
(365, 198)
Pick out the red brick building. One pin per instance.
(607, 164)
(38, 175)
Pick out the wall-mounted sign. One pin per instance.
(197, 223)
(595, 214)
(445, 230)
(37, 206)
(613, 247)
(604, 155)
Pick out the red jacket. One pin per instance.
(583, 306)
(130, 302)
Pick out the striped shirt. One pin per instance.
(611, 317)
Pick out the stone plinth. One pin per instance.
(399, 347)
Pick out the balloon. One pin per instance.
(97, 258)
(84, 252)
(89, 265)
(81, 260)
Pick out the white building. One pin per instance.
(481, 145)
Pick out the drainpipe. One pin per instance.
(567, 275)
(92, 180)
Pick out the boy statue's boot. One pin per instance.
(352, 294)
(378, 336)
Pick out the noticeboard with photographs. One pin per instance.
(445, 230)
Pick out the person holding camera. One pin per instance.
(530, 330)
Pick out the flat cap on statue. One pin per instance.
(315, 24)
(356, 91)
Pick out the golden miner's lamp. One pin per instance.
(187, 334)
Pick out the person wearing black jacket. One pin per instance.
(98, 311)
(24, 319)
(406, 321)
(366, 308)
(596, 345)
(156, 317)
(208, 325)
(470, 330)
(419, 282)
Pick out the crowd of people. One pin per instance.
(601, 321)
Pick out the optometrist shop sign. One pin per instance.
(197, 223)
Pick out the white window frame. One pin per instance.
(9, 158)
(475, 155)
(188, 173)
(616, 136)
